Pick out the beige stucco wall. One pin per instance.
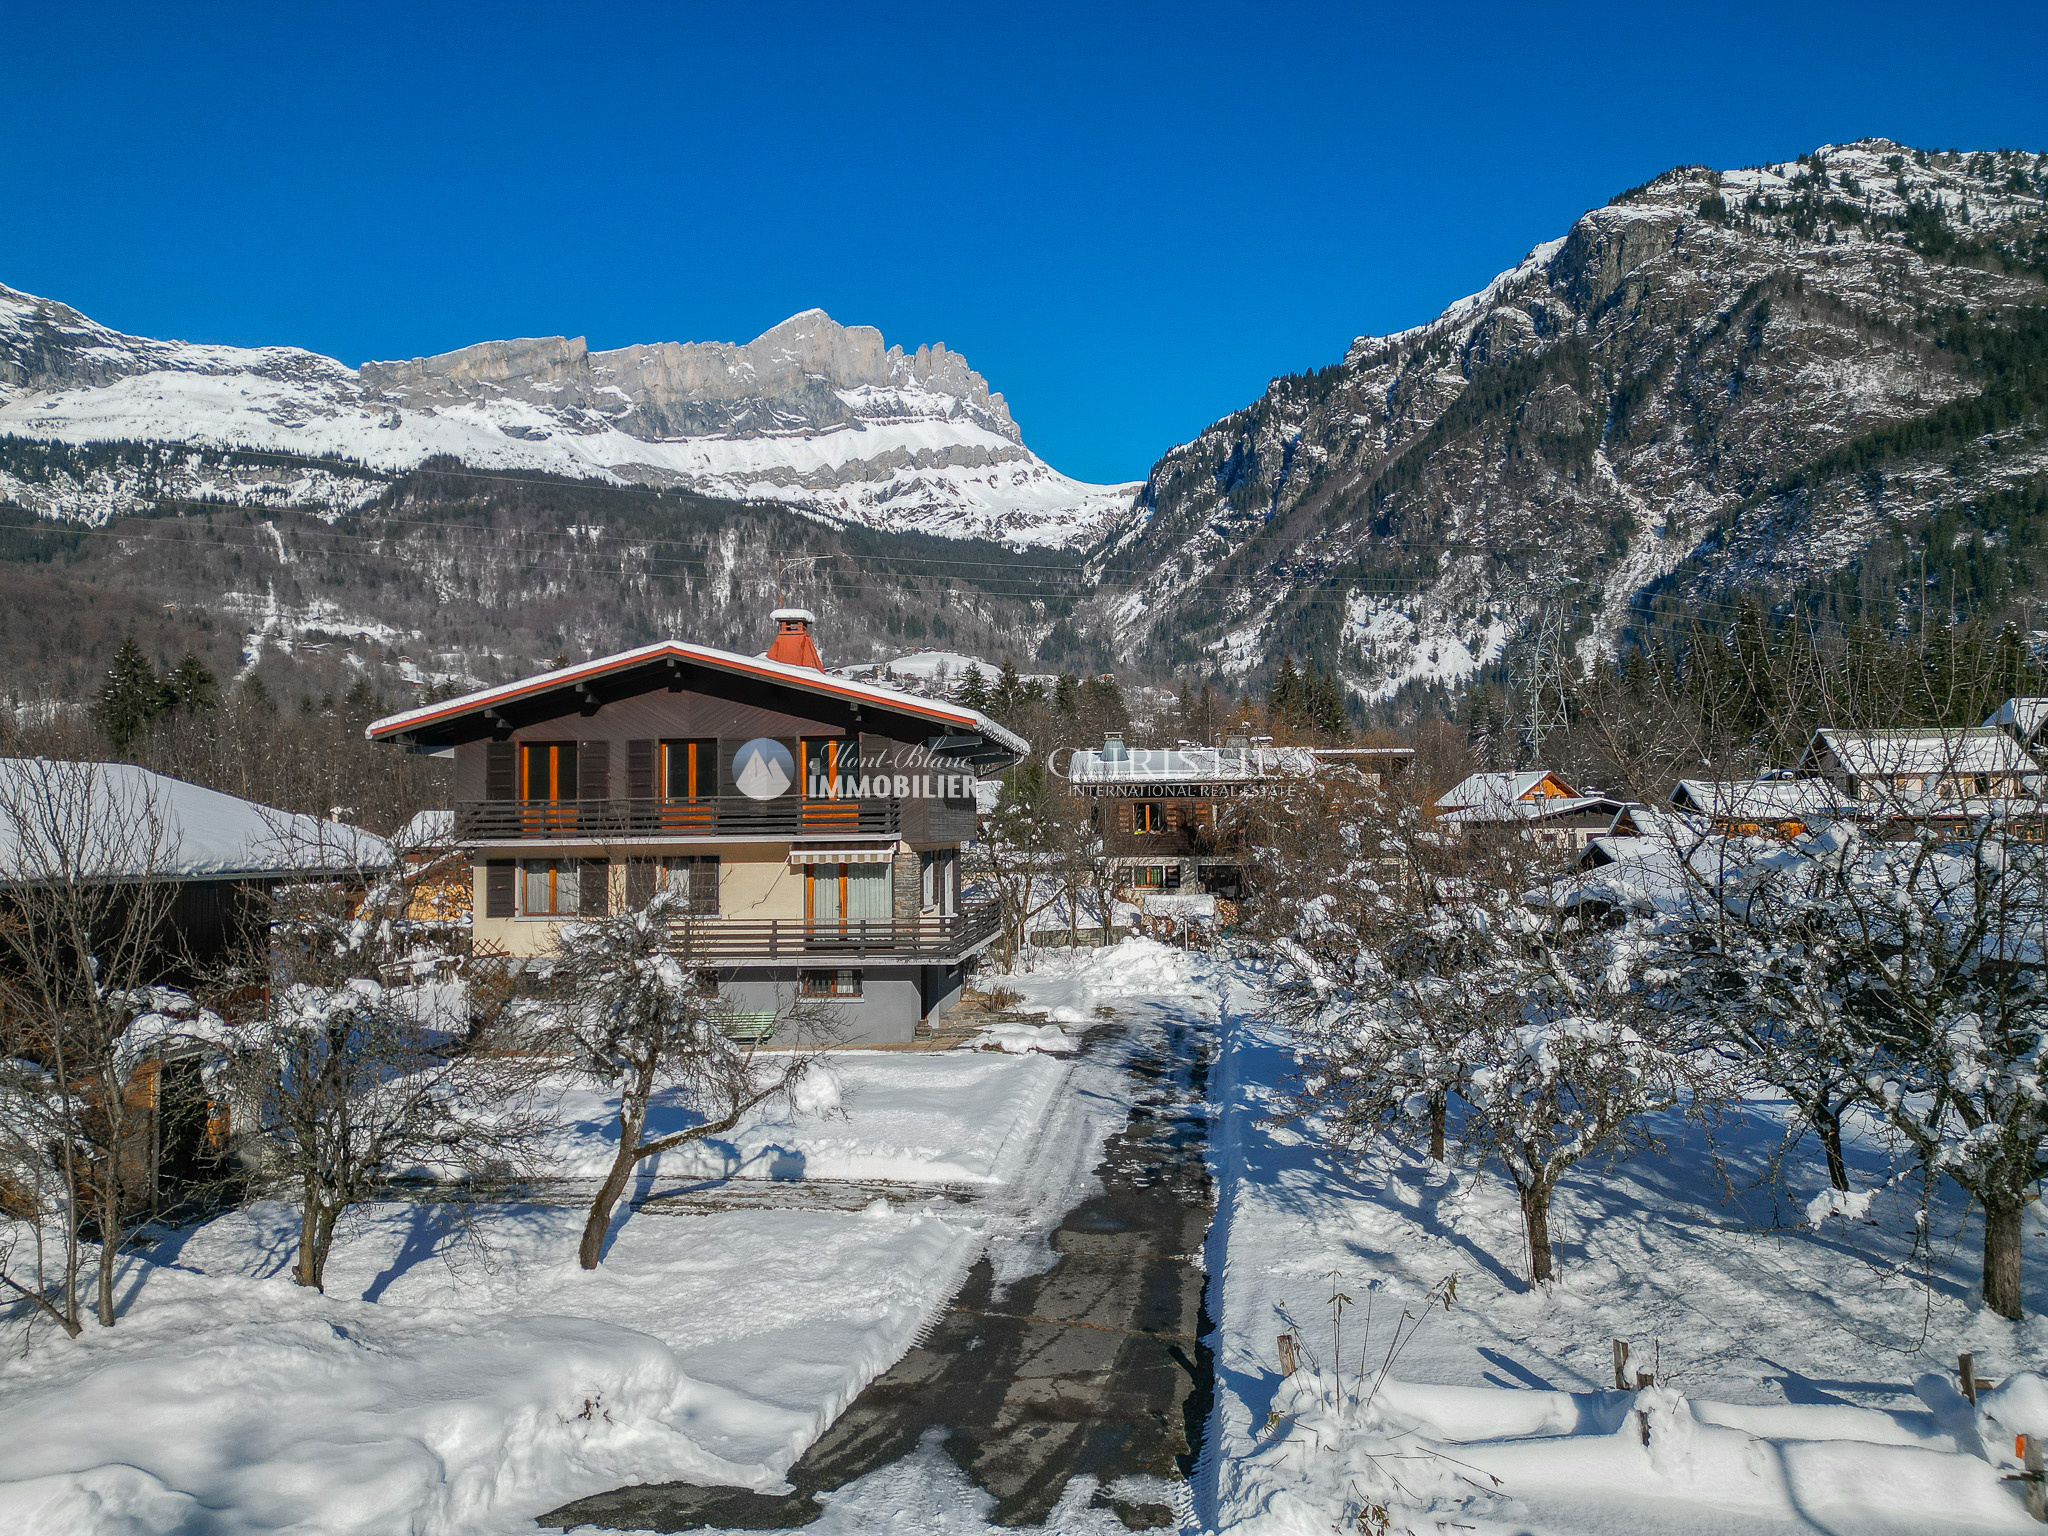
(756, 883)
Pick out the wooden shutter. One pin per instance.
(641, 876)
(594, 888)
(500, 879)
(501, 770)
(1173, 815)
(641, 757)
(704, 886)
(1124, 820)
(594, 770)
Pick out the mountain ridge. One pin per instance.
(821, 417)
(1574, 436)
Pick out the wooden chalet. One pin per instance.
(1162, 811)
(813, 824)
(1532, 801)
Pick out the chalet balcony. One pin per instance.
(717, 941)
(498, 821)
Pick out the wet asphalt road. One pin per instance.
(1093, 1367)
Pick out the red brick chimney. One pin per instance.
(793, 643)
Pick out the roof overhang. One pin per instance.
(970, 735)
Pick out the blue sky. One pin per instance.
(1128, 218)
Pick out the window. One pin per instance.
(844, 894)
(833, 984)
(548, 887)
(689, 770)
(831, 763)
(1149, 877)
(548, 770)
(1148, 816)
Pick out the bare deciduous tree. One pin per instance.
(352, 1076)
(629, 996)
(85, 893)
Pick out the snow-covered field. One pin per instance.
(462, 1374)
(1804, 1375)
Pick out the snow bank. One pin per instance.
(266, 1408)
(1070, 985)
(919, 1118)
(1019, 1038)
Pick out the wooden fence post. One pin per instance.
(2036, 1484)
(1621, 1365)
(1287, 1357)
(1966, 1372)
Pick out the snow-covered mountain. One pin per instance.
(814, 414)
(1772, 381)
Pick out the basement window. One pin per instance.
(838, 985)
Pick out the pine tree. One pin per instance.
(130, 698)
(1283, 698)
(1009, 689)
(192, 685)
(1066, 696)
(973, 690)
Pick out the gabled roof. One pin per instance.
(1548, 808)
(1934, 749)
(115, 821)
(1760, 799)
(2024, 715)
(1500, 792)
(938, 711)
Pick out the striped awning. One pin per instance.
(867, 854)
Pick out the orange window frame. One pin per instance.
(693, 763)
(553, 751)
(833, 749)
(811, 891)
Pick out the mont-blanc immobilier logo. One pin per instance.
(764, 768)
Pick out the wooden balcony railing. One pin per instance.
(926, 938)
(486, 821)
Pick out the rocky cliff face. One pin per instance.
(1722, 382)
(812, 414)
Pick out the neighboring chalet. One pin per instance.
(2024, 720)
(117, 824)
(1917, 770)
(1777, 806)
(1533, 800)
(217, 857)
(813, 824)
(1161, 810)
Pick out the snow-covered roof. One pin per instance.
(1960, 749)
(1496, 791)
(1500, 797)
(427, 829)
(1532, 810)
(115, 821)
(807, 678)
(1760, 799)
(2026, 716)
(1189, 765)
